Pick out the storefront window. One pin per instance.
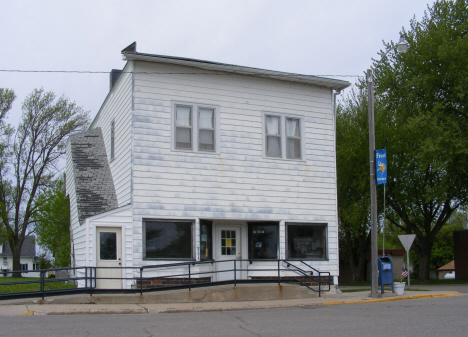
(206, 246)
(168, 239)
(306, 241)
(263, 240)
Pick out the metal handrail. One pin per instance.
(304, 273)
(90, 277)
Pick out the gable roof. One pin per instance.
(130, 54)
(28, 248)
(449, 266)
(95, 191)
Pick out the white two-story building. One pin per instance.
(191, 160)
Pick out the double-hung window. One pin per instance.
(283, 136)
(273, 136)
(293, 138)
(195, 127)
(184, 128)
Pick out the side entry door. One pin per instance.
(109, 258)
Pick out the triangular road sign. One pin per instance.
(407, 240)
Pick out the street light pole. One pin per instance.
(373, 186)
(401, 47)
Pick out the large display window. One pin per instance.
(263, 240)
(167, 239)
(306, 241)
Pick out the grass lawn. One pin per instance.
(385, 289)
(22, 287)
(413, 282)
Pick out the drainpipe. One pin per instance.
(335, 278)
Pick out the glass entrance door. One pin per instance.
(228, 248)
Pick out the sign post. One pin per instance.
(407, 241)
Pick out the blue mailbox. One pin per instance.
(385, 272)
(385, 269)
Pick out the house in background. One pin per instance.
(29, 260)
(191, 160)
(447, 271)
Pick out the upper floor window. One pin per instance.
(283, 136)
(293, 138)
(112, 138)
(195, 127)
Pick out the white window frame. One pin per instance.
(283, 135)
(195, 129)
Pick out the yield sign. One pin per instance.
(407, 240)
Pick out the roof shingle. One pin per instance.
(95, 191)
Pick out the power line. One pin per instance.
(147, 73)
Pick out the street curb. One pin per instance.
(96, 312)
(392, 299)
(250, 306)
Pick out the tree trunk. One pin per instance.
(358, 260)
(424, 265)
(16, 251)
(360, 270)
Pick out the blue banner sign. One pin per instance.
(381, 166)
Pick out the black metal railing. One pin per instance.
(165, 276)
(290, 264)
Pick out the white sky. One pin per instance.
(315, 37)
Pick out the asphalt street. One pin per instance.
(445, 316)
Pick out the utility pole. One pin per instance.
(373, 186)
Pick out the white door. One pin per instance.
(109, 254)
(228, 247)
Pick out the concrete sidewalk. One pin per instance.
(50, 306)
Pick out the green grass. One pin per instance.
(25, 287)
(413, 282)
(385, 289)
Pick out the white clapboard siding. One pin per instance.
(238, 182)
(118, 108)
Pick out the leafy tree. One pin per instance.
(28, 158)
(7, 96)
(53, 223)
(44, 261)
(423, 95)
(442, 250)
(352, 142)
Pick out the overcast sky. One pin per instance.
(315, 37)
